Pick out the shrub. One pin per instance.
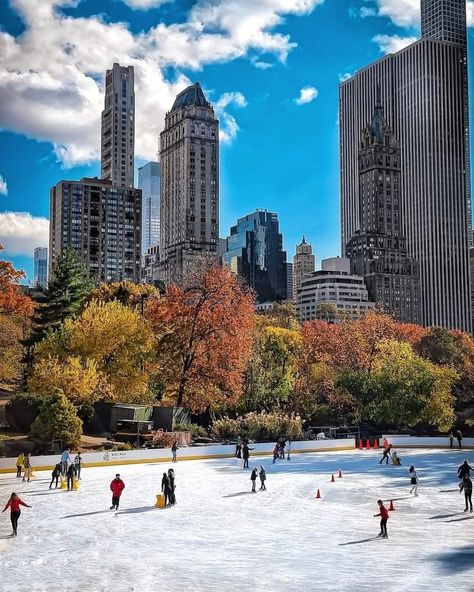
(259, 426)
(196, 430)
(22, 410)
(57, 420)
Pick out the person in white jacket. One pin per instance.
(288, 450)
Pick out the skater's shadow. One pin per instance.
(448, 490)
(86, 514)
(440, 516)
(458, 560)
(137, 510)
(461, 519)
(239, 493)
(358, 542)
(48, 492)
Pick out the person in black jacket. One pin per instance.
(459, 438)
(253, 478)
(172, 487)
(166, 488)
(466, 486)
(246, 454)
(464, 469)
(387, 453)
(71, 473)
(55, 475)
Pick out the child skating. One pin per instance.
(413, 481)
(383, 513)
(263, 477)
(466, 486)
(253, 478)
(14, 504)
(116, 487)
(55, 475)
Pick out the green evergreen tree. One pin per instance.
(57, 420)
(68, 288)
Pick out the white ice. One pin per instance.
(219, 537)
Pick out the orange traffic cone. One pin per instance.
(332, 479)
(361, 445)
(318, 495)
(376, 443)
(340, 474)
(368, 443)
(391, 507)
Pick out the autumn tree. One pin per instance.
(127, 293)
(204, 337)
(102, 354)
(57, 419)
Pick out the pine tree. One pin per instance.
(57, 420)
(68, 288)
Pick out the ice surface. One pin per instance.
(219, 537)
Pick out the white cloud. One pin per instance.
(144, 4)
(307, 94)
(21, 233)
(260, 64)
(345, 76)
(366, 11)
(51, 76)
(406, 13)
(228, 124)
(393, 43)
(3, 186)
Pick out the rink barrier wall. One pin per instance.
(401, 441)
(157, 455)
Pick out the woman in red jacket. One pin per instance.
(14, 504)
(383, 519)
(116, 487)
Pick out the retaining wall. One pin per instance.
(401, 441)
(101, 459)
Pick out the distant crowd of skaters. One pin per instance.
(70, 469)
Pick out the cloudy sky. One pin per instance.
(270, 67)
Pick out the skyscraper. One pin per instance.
(377, 250)
(118, 127)
(149, 183)
(101, 223)
(424, 93)
(303, 264)
(255, 253)
(189, 188)
(41, 267)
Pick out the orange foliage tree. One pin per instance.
(204, 338)
(12, 300)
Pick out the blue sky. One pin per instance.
(253, 57)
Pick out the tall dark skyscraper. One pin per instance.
(424, 93)
(378, 249)
(118, 127)
(189, 186)
(255, 253)
(149, 183)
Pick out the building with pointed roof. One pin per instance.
(304, 263)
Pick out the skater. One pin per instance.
(288, 450)
(19, 464)
(27, 467)
(396, 460)
(413, 481)
(385, 443)
(263, 477)
(464, 469)
(459, 438)
(14, 504)
(65, 461)
(78, 464)
(174, 450)
(466, 486)
(71, 473)
(451, 439)
(282, 443)
(246, 454)
(383, 513)
(276, 453)
(55, 475)
(116, 487)
(253, 478)
(238, 447)
(166, 489)
(386, 454)
(171, 477)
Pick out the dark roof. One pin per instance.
(192, 95)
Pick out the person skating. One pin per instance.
(253, 478)
(19, 464)
(282, 443)
(27, 467)
(116, 487)
(70, 474)
(459, 438)
(383, 513)
(171, 477)
(246, 454)
(276, 453)
(386, 454)
(55, 475)
(288, 450)
(166, 488)
(464, 469)
(174, 450)
(263, 477)
(396, 460)
(14, 504)
(451, 439)
(78, 464)
(413, 481)
(238, 447)
(466, 486)
(65, 461)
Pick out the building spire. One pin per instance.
(376, 127)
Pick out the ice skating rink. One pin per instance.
(221, 538)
